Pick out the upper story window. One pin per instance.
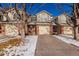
(33, 18)
(43, 17)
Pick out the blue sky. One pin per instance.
(53, 8)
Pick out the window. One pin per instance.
(33, 19)
(43, 18)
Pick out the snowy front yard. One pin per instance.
(27, 49)
(67, 39)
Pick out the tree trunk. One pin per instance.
(21, 31)
(23, 34)
(74, 31)
(24, 17)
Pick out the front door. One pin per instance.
(55, 29)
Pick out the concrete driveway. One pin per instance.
(47, 45)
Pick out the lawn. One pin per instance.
(9, 44)
(19, 47)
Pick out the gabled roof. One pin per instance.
(65, 14)
(45, 12)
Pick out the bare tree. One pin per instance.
(24, 21)
(73, 21)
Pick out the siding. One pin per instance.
(43, 17)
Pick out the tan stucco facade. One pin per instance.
(43, 25)
(65, 28)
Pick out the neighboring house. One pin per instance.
(6, 26)
(63, 26)
(32, 25)
(44, 23)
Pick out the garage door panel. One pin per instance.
(68, 30)
(44, 29)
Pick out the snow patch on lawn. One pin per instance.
(70, 36)
(7, 38)
(28, 49)
(67, 40)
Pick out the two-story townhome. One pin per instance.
(41, 23)
(44, 23)
(64, 28)
(7, 18)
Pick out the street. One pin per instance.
(47, 45)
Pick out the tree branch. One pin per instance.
(67, 21)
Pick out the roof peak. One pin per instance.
(45, 12)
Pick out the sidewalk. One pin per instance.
(67, 39)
